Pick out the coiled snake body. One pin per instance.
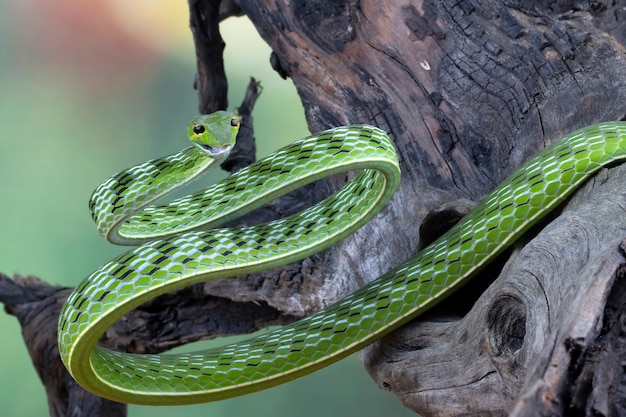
(178, 249)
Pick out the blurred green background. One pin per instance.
(87, 89)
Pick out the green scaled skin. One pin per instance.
(114, 202)
(179, 251)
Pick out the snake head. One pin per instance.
(214, 133)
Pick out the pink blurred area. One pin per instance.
(79, 41)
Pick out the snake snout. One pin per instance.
(215, 151)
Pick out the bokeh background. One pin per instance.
(87, 89)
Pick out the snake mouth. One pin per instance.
(215, 151)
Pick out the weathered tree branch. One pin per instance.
(545, 333)
(468, 90)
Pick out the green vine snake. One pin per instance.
(181, 245)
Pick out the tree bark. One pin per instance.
(468, 90)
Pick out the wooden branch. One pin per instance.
(468, 90)
(546, 333)
(37, 305)
(211, 78)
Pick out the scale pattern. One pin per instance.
(186, 255)
(337, 331)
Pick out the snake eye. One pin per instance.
(234, 122)
(198, 129)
